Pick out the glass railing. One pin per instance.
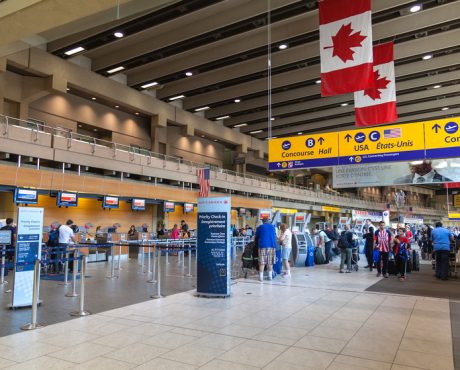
(320, 196)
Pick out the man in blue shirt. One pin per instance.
(266, 242)
(441, 238)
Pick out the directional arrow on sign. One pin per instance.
(436, 128)
(348, 137)
(351, 159)
(278, 164)
(321, 140)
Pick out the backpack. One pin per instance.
(343, 240)
(402, 252)
(53, 238)
(319, 257)
(250, 257)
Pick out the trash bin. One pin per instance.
(310, 260)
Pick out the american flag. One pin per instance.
(392, 133)
(203, 177)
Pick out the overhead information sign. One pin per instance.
(442, 138)
(330, 209)
(303, 151)
(382, 144)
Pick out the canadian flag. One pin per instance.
(345, 38)
(378, 104)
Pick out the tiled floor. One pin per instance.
(318, 320)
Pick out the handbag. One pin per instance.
(376, 255)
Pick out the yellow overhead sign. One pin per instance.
(442, 138)
(330, 209)
(303, 151)
(456, 200)
(382, 144)
(285, 211)
(454, 216)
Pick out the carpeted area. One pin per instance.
(419, 283)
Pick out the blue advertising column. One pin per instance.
(28, 249)
(213, 247)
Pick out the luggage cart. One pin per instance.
(453, 260)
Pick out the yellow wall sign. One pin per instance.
(456, 200)
(285, 211)
(303, 151)
(454, 216)
(442, 138)
(382, 144)
(330, 209)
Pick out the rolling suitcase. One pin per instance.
(415, 261)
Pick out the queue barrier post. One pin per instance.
(189, 260)
(167, 251)
(148, 262)
(152, 271)
(158, 295)
(74, 277)
(112, 265)
(119, 257)
(66, 268)
(81, 311)
(34, 324)
(2, 271)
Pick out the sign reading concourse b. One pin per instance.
(382, 144)
(442, 138)
(303, 151)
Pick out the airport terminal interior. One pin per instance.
(229, 184)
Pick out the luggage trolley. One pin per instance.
(453, 260)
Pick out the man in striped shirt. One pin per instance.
(382, 243)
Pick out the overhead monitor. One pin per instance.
(138, 204)
(169, 207)
(242, 212)
(110, 202)
(25, 196)
(265, 213)
(188, 207)
(300, 217)
(65, 199)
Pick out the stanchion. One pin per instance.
(81, 311)
(152, 266)
(66, 269)
(189, 261)
(119, 257)
(158, 293)
(74, 277)
(34, 324)
(2, 272)
(142, 256)
(167, 252)
(112, 266)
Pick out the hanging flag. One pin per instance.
(203, 177)
(378, 105)
(345, 38)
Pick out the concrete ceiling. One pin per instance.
(224, 45)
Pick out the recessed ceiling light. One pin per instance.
(215, 140)
(137, 113)
(118, 34)
(80, 126)
(150, 84)
(188, 74)
(300, 133)
(223, 117)
(74, 51)
(117, 69)
(202, 108)
(176, 97)
(93, 98)
(437, 86)
(241, 125)
(426, 57)
(68, 89)
(237, 100)
(203, 136)
(95, 130)
(445, 108)
(117, 106)
(272, 119)
(415, 8)
(256, 132)
(317, 81)
(283, 46)
(343, 104)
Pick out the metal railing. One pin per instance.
(319, 196)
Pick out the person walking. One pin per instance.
(441, 238)
(325, 238)
(401, 252)
(266, 242)
(346, 247)
(285, 240)
(382, 243)
(369, 248)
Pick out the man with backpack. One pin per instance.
(326, 238)
(382, 243)
(346, 247)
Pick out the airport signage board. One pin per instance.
(454, 216)
(456, 199)
(213, 247)
(442, 138)
(330, 209)
(28, 249)
(303, 151)
(413, 220)
(374, 216)
(285, 211)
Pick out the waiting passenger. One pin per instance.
(9, 256)
(66, 237)
(346, 247)
(325, 240)
(382, 243)
(369, 248)
(175, 233)
(266, 242)
(441, 238)
(132, 231)
(285, 241)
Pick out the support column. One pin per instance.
(23, 110)
(157, 128)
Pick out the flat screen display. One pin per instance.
(65, 199)
(188, 207)
(110, 202)
(25, 196)
(138, 204)
(300, 217)
(169, 207)
(242, 211)
(265, 213)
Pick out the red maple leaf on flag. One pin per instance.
(380, 84)
(344, 41)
